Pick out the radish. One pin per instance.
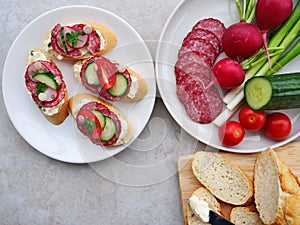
(269, 14)
(241, 40)
(228, 73)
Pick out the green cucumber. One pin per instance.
(100, 116)
(47, 79)
(281, 91)
(90, 74)
(120, 86)
(109, 131)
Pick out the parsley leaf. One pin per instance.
(90, 125)
(72, 37)
(40, 88)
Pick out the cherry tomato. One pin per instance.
(89, 124)
(278, 126)
(231, 133)
(253, 120)
(106, 72)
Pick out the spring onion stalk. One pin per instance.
(283, 40)
(247, 11)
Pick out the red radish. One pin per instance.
(269, 14)
(241, 40)
(228, 73)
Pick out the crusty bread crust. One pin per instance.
(76, 100)
(203, 194)
(63, 111)
(222, 178)
(108, 35)
(142, 85)
(285, 190)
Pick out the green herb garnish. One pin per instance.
(61, 32)
(40, 88)
(90, 125)
(72, 37)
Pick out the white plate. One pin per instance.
(64, 142)
(181, 21)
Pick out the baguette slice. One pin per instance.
(60, 114)
(138, 85)
(203, 194)
(245, 216)
(108, 41)
(223, 179)
(77, 101)
(276, 190)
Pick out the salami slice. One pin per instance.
(94, 43)
(202, 105)
(206, 35)
(191, 57)
(108, 113)
(200, 46)
(197, 71)
(213, 25)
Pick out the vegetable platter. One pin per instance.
(177, 28)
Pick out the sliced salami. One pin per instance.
(52, 97)
(108, 113)
(206, 35)
(200, 72)
(213, 25)
(94, 43)
(202, 105)
(191, 57)
(200, 46)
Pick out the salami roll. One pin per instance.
(110, 80)
(205, 35)
(100, 121)
(213, 25)
(46, 86)
(79, 41)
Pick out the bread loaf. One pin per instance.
(276, 190)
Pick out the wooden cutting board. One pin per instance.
(289, 154)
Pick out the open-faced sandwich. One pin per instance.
(46, 86)
(101, 122)
(79, 41)
(110, 80)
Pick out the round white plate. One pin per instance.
(64, 142)
(181, 21)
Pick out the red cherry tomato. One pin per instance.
(106, 72)
(231, 133)
(253, 120)
(89, 124)
(278, 126)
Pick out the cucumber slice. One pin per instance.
(120, 86)
(47, 79)
(109, 130)
(100, 116)
(258, 92)
(90, 74)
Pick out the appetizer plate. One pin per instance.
(181, 21)
(64, 142)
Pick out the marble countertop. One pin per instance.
(35, 189)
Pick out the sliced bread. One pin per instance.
(203, 194)
(245, 216)
(276, 190)
(222, 178)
